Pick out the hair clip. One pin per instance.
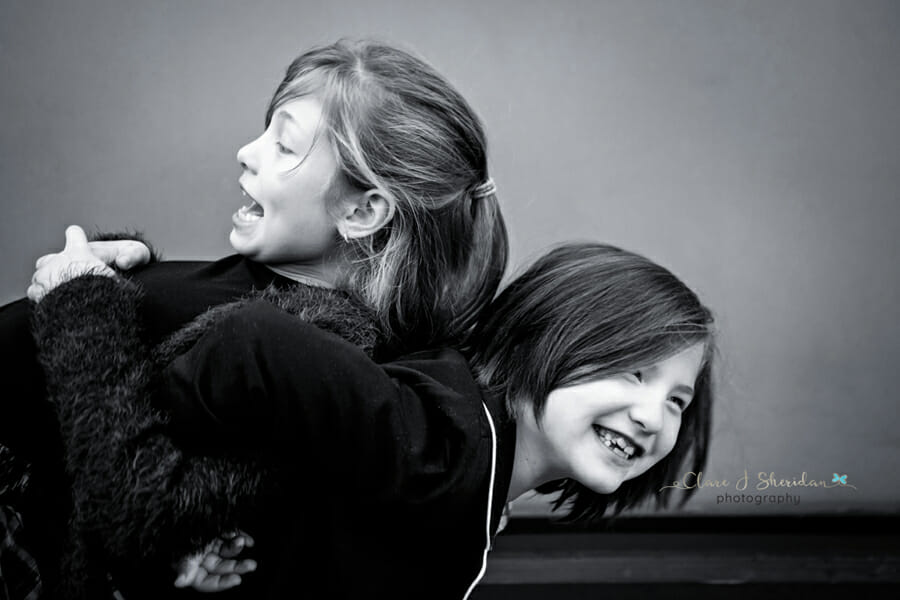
(485, 189)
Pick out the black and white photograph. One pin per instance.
(485, 299)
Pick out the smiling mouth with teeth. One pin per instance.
(620, 445)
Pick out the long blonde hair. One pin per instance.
(397, 125)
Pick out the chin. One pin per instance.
(241, 245)
(234, 238)
(603, 486)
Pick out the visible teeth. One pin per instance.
(244, 214)
(617, 443)
(619, 452)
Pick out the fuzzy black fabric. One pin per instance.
(139, 498)
(14, 470)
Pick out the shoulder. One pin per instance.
(167, 270)
(281, 309)
(331, 310)
(298, 369)
(444, 366)
(175, 292)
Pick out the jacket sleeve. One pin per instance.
(133, 489)
(401, 431)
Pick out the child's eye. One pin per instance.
(681, 402)
(283, 149)
(637, 375)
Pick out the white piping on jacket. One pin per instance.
(490, 503)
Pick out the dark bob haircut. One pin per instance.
(585, 311)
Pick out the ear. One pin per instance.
(366, 214)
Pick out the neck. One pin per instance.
(530, 465)
(308, 274)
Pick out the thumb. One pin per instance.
(187, 570)
(76, 239)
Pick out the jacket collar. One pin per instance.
(505, 430)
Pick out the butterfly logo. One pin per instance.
(842, 479)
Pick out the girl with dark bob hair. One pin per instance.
(589, 375)
(592, 311)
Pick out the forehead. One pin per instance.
(684, 365)
(311, 84)
(303, 114)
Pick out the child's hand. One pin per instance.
(124, 254)
(215, 568)
(74, 260)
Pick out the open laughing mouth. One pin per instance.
(620, 444)
(250, 212)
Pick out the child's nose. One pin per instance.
(246, 157)
(648, 412)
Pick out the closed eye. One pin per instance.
(283, 149)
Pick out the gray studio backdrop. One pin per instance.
(752, 147)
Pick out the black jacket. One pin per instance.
(375, 480)
(395, 465)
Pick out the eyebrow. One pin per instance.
(685, 389)
(287, 117)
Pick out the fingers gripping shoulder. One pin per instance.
(130, 236)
